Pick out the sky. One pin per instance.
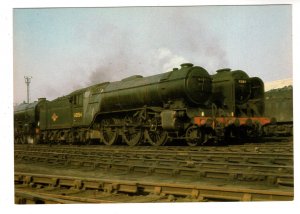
(65, 49)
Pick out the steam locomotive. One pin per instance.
(185, 104)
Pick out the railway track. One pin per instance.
(32, 197)
(230, 157)
(41, 194)
(171, 191)
(276, 147)
(272, 168)
(244, 166)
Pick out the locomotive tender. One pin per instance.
(183, 104)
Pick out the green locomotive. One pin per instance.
(134, 110)
(243, 97)
(236, 92)
(185, 104)
(26, 123)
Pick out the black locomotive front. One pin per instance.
(239, 94)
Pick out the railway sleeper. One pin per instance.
(200, 192)
(248, 175)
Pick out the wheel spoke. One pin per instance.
(133, 137)
(156, 138)
(132, 132)
(108, 132)
(193, 136)
(154, 134)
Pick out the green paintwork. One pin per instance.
(279, 104)
(236, 92)
(26, 118)
(56, 114)
(191, 85)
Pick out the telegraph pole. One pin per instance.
(27, 81)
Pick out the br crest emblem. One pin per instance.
(54, 117)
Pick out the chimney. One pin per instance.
(186, 65)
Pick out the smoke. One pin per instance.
(162, 39)
(121, 66)
(52, 92)
(112, 71)
(168, 60)
(198, 42)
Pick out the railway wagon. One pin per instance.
(279, 107)
(279, 104)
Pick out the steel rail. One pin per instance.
(230, 157)
(233, 148)
(33, 197)
(270, 173)
(153, 152)
(198, 191)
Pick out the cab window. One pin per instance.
(77, 100)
